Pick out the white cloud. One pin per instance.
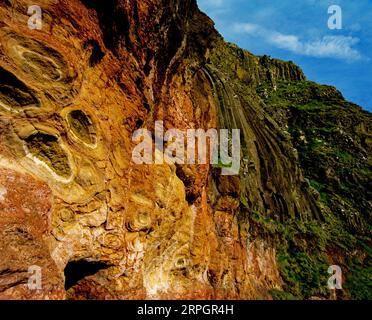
(338, 47)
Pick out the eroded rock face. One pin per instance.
(72, 201)
(25, 234)
(72, 95)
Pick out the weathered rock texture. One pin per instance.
(100, 227)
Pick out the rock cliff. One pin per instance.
(73, 203)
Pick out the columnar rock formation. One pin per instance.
(101, 227)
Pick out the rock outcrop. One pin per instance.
(98, 226)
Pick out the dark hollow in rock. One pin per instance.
(82, 126)
(97, 53)
(46, 147)
(189, 182)
(13, 92)
(79, 270)
(113, 20)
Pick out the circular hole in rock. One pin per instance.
(82, 126)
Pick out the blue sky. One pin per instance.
(298, 30)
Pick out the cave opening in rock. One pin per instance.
(76, 271)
